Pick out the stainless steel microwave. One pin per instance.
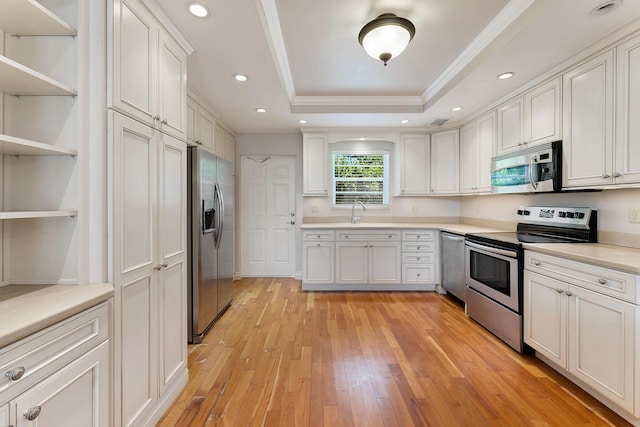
(530, 170)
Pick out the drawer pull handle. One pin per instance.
(318, 236)
(418, 247)
(318, 244)
(602, 281)
(418, 274)
(390, 236)
(558, 290)
(33, 413)
(15, 374)
(418, 259)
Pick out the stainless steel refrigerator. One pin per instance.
(210, 228)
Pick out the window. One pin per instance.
(361, 176)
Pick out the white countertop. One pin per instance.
(453, 228)
(26, 309)
(610, 256)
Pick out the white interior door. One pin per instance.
(268, 215)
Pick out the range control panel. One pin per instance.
(555, 216)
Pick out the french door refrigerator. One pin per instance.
(210, 228)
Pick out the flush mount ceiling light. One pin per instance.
(605, 8)
(507, 75)
(386, 37)
(198, 9)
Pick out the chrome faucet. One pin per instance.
(355, 218)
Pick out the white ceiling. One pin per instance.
(303, 59)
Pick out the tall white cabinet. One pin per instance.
(148, 211)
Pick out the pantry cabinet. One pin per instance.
(583, 319)
(148, 72)
(445, 158)
(531, 119)
(148, 171)
(415, 155)
(588, 124)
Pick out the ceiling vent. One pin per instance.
(438, 122)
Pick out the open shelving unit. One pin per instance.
(23, 147)
(30, 18)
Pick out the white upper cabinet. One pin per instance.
(531, 119)
(414, 167)
(588, 123)
(148, 74)
(627, 142)
(477, 145)
(315, 152)
(445, 158)
(200, 125)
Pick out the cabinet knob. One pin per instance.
(418, 247)
(199, 142)
(158, 267)
(602, 281)
(33, 413)
(346, 236)
(390, 236)
(156, 117)
(616, 175)
(418, 259)
(418, 275)
(164, 121)
(606, 176)
(15, 374)
(318, 236)
(536, 263)
(569, 293)
(318, 244)
(558, 290)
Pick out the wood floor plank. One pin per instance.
(282, 357)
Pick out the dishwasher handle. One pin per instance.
(452, 237)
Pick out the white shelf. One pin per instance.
(24, 147)
(37, 214)
(30, 18)
(16, 79)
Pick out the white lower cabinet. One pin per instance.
(419, 257)
(4, 415)
(318, 257)
(588, 334)
(369, 262)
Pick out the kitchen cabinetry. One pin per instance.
(148, 73)
(583, 319)
(315, 164)
(368, 257)
(445, 158)
(224, 143)
(148, 170)
(477, 146)
(415, 155)
(200, 125)
(39, 70)
(588, 123)
(59, 376)
(627, 141)
(531, 119)
(318, 257)
(419, 257)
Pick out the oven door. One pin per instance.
(494, 273)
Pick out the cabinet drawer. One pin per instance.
(369, 235)
(418, 247)
(417, 274)
(419, 235)
(318, 235)
(417, 258)
(606, 281)
(37, 356)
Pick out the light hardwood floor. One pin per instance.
(283, 357)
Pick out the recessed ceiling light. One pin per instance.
(405, 121)
(302, 122)
(198, 9)
(456, 109)
(241, 77)
(507, 75)
(363, 139)
(261, 110)
(606, 7)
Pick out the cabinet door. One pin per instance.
(468, 158)
(486, 146)
(545, 316)
(385, 262)
(76, 396)
(192, 121)
(4, 415)
(414, 165)
(229, 147)
(135, 57)
(318, 262)
(315, 164)
(172, 278)
(588, 123)
(218, 141)
(542, 113)
(206, 129)
(510, 136)
(627, 145)
(602, 344)
(351, 262)
(172, 86)
(445, 159)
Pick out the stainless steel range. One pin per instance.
(494, 264)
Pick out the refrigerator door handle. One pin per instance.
(220, 199)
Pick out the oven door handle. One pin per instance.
(503, 252)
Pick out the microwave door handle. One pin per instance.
(533, 183)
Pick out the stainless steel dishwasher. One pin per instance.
(452, 247)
